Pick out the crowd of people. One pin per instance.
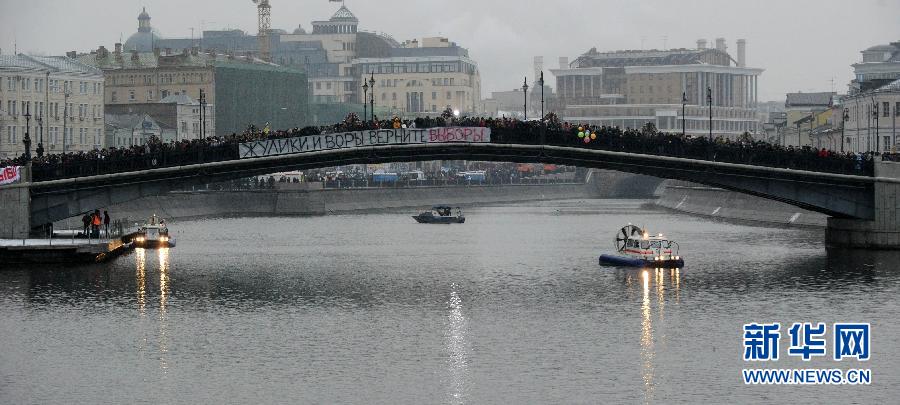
(551, 131)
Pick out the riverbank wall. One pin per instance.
(714, 202)
(198, 204)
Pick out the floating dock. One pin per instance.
(60, 250)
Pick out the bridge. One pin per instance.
(863, 208)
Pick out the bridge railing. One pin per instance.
(611, 139)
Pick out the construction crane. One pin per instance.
(265, 25)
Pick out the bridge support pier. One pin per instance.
(15, 218)
(881, 233)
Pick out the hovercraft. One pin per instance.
(635, 247)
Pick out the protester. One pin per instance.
(106, 222)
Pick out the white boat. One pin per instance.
(637, 248)
(153, 235)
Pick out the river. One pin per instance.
(510, 307)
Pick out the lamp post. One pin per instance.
(365, 88)
(541, 82)
(202, 114)
(709, 101)
(525, 93)
(683, 115)
(844, 118)
(372, 100)
(40, 147)
(27, 139)
(65, 117)
(875, 115)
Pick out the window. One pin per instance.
(897, 109)
(149, 95)
(434, 95)
(328, 86)
(131, 95)
(318, 85)
(449, 95)
(885, 109)
(113, 97)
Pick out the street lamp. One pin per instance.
(875, 115)
(40, 147)
(541, 82)
(844, 118)
(202, 114)
(65, 117)
(27, 139)
(683, 115)
(709, 101)
(525, 92)
(372, 100)
(365, 88)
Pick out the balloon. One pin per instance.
(593, 136)
(580, 128)
(581, 134)
(587, 139)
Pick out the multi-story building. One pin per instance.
(802, 112)
(177, 115)
(871, 119)
(422, 80)
(629, 89)
(63, 97)
(240, 90)
(879, 67)
(332, 53)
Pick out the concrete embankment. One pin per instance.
(601, 184)
(718, 203)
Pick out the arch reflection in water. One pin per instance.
(457, 347)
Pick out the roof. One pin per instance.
(180, 99)
(142, 60)
(892, 86)
(809, 99)
(881, 48)
(593, 58)
(344, 14)
(129, 121)
(53, 64)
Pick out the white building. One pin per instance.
(872, 119)
(62, 95)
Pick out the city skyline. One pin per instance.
(798, 54)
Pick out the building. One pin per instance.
(64, 98)
(879, 67)
(241, 90)
(178, 113)
(332, 53)
(125, 130)
(801, 116)
(631, 88)
(423, 79)
(871, 119)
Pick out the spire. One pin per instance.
(144, 21)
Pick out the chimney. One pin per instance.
(701, 44)
(720, 44)
(563, 62)
(118, 47)
(742, 53)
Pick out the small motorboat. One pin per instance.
(440, 214)
(153, 235)
(637, 248)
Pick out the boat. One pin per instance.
(440, 214)
(153, 235)
(635, 247)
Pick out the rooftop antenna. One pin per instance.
(665, 39)
(643, 38)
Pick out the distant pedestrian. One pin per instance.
(86, 221)
(106, 222)
(96, 220)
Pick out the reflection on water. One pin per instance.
(457, 348)
(329, 310)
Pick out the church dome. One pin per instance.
(146, 38)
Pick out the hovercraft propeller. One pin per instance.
(623, 235)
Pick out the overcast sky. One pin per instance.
(802, 44)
